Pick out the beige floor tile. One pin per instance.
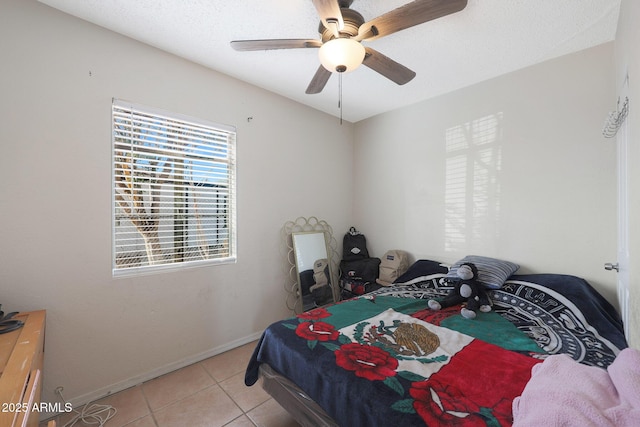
(242, 421)
(245, 397)
(207, 408)
(176, 385)
(229, 363)
(271, 414)
(130, 405)
(142, 422)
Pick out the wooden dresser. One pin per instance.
(21, 359)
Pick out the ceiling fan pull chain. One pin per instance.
(340, 95)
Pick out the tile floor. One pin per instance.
(210, 393)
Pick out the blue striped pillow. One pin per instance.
(492, 272)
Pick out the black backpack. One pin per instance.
(354, 246)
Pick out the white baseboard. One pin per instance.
(78, 401)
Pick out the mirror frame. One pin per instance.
(307, 225)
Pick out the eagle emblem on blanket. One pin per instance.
(402, 338)
(416, 339)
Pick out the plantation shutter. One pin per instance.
(173, 189)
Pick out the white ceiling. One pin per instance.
(486, 39)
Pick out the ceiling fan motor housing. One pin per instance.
(352, 22)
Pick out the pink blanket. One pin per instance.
(562, 392)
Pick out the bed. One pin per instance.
(386, 359)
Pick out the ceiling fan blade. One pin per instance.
(244, 45)
(414, 13)
(318, 81)
(330, 14)
(386, 66)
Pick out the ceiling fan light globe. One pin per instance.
(342, 55)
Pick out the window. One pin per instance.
(173, 190)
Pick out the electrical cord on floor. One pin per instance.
(91, 413)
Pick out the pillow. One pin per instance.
(492, 272)
(420, 269)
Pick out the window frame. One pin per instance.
(138, 145)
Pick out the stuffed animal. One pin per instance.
(466, 289)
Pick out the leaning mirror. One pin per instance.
(312, 267)
(312, 261)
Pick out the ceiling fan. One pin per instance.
(343, 29)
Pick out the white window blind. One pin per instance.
(173, 190)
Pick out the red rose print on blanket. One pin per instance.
(366, 361)
(436, 317)
(441, 404)
(315, 314)
(319, 331)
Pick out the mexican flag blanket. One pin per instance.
(392, 361)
